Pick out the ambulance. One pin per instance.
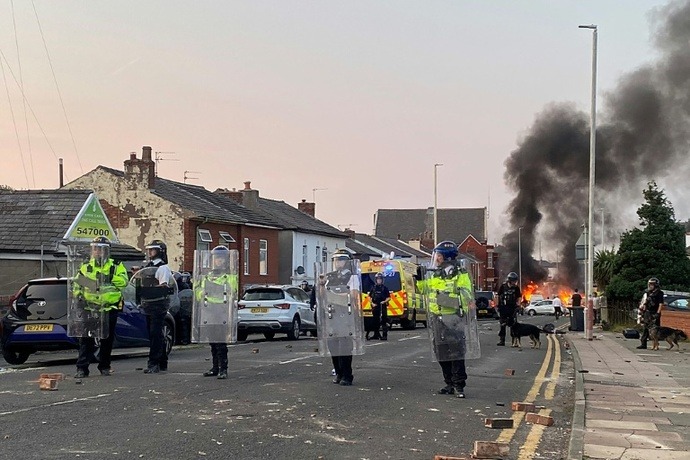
(406, 306)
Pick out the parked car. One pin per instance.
(677, 302)
(274, 309)
(37, 321)
(486, 304)
(542, 307)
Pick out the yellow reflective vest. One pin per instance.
(221, 280)
(101, 285)
(457, 286)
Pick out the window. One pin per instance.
(317, 257)
(263, 294)
(204, 239)
(324, 254)
(263, 257)
(490, 260)
(246, 256)
(226, 238)
(304, 256)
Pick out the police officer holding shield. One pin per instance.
(339, 315)
(452, 316)
(508, 297)
(155, 302)
(214, 311)
(98, 287)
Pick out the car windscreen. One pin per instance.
(391, 280)
(263, 294)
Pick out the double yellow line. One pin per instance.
(529, 448)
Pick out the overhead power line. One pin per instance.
(14, 122)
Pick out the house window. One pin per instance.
(263, 257)
(226, 238)
(324, 254)
(203, 240)
(304, 256)
(317, 256)
(490, 260)
(246, 256)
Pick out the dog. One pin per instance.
(672, 336)
(518, 330)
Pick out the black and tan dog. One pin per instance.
(518, 330)
(672, 336)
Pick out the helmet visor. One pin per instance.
(100, 252)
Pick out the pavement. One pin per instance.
(630, 404)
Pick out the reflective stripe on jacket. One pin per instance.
(458, 286)
(221, 280)
(101, 285)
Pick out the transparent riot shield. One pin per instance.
(339, 312)
(214, 311)
(145, 291)
(85, 286)
(451, 314)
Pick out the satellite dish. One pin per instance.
(300, 270)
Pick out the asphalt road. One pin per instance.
(279, 402)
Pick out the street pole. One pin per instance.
(436, 202)
(520, 255)
(602, 228)
(592, 149)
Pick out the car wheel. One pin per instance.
(168, 336)
(314, 333)
(531, 312)
(293, 333)
(242, 336)
(15, 357)
(424, 323)
(269, 335)
(411, 325)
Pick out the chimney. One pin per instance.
(61, 173)
(250, 198)
(233, 194)
(140, 174)
(307, 208)
(349, 232)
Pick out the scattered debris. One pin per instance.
(523, 406)
(47, 384)
(539, 419)
(509, 372)
(499, 423)
(490, 449)
(255, 350)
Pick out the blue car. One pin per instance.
(37, 321)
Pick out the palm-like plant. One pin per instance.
(604, 262)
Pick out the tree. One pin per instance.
(655, 250)
(604, 265)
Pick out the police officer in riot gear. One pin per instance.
(509, 296)
(100, 281)
(651, 314)
(156, 305)
(219, 275)
(379, 295)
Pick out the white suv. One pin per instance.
(271, 309)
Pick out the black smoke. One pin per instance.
(642, 134)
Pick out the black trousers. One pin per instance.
(219, 352)
(87, 346)
(454, 373)
(505, 319)
(157, 354)
(343, 367)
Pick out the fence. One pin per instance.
(620, 312)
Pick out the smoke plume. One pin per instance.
(642, 134)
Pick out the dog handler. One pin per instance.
(651, 314)
(509, 296)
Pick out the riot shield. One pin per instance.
(85, 286)
(339, 313)
(451, 315)
(145, 291)
(214, 311)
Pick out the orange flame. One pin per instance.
(530, 289)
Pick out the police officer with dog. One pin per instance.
(651, 311)
(509, 296)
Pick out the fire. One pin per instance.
(564, 295)
(530, 289)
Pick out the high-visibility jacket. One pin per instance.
(100, 285)
(459, 286)
(226, 279)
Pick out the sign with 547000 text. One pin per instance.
(90, 222)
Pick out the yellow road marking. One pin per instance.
(529, 448)
(555, 371)
(508, 433)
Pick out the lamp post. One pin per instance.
(602, 228)
(436, 202)
(520, 255)
(592, 147)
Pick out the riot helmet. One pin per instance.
(220, 259)
(157, 249)
(653, 283)
(445, 251)
(378, 277)
(512, 277)
(340, 258)
(100, 250)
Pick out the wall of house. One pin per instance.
(299, 241)
(191, 239)
(255, 235)
(137, 215)
(484, 276)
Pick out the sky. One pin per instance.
(359, 98)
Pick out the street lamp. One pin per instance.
(602, 228)
(436, 202)
(592, 146)
(520, 255)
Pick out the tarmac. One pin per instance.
(630, 404)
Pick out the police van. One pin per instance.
(406, 306)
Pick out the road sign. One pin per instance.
(90, 222)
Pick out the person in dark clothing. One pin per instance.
(509, 296)
(576, 299)
(651, 314)
(379, 295)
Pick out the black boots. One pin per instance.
(211, 372)
(447, 390)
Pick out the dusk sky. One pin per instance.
(360, 98)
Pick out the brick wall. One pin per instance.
(676, 320)
(190, 239)
(255, 234)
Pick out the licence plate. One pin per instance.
(259, 310)
(38, 328)
(483, 311)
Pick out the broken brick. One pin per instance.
(255, 350)
(47, 384)
(523, 406)
(509, 372)
(58, 376)
(499, 423)
(490, 449)
(445, 457)
(539, 419)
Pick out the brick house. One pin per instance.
(485, 270)
(142, 207)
